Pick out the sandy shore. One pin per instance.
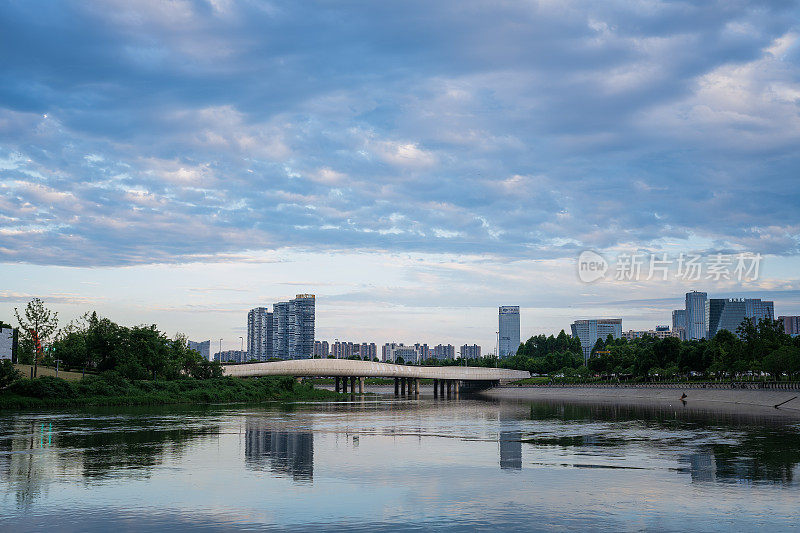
(752, 402)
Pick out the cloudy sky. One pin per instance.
(414, 164)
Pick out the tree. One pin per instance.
(39, 324)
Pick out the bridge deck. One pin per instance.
(350, 368)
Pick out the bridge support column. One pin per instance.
(456, 388)
(397, 386)
(352, 385)
(441, 388)
(403, 386)
(449, 387)
(416, 386)
(344, 385)
(337, 384)
(435, 388)
(361, 385)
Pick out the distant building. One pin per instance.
(588, 331)
(423, 351)
(321, 349)
(470, 352)
(508, 326)
(679, 323)
(202, 347)
(259, 333)
(791, 324)
(9, 340)
(696, 315)
(368, 351)
(302, 318)
(280, 330)
(444, 352)
(231, 356)
(730, 313)
(661, 332)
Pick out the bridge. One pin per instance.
(406, 377)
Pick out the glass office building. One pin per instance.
(696, 315)
(508, 326)
(588, 331)
(729, 313)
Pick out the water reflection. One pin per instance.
(511, 450)
(36, 451)
(727, 447)
(385, 465)
(282, 452)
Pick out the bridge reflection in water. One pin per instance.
(284, 452)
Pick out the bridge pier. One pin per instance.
(397, 386)
(344, 385)
(435, 388)
(361, 385)
(441, 388)
(352, 385)
(456, 388)
(337, 384)
(449, 387)
(416, 386)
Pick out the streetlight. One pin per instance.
(497, 351)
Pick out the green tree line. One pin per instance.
(98, 344)
(757, 349)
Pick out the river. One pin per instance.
(386, 464)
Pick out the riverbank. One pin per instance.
(731, 400)
(109, 390)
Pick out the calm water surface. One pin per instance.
(386, 464)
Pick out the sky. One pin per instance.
(413, 164)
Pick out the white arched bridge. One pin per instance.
(406, 377)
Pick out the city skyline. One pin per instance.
(367, 169)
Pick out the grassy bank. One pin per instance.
(111, 389)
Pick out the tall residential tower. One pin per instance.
(259, 334)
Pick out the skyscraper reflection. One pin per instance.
(511, 450)
(283, 452)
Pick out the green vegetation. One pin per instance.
(110, 388)
(140, 352)
(756, 350)
(136, 366)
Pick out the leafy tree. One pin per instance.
(39, 323)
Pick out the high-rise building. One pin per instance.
(696, 315)
(203, 348)
(679, 323)
(444, 351)
(280, 330)
(791, 324)
(729, 313)
(588, 331)
(259, 334)
(423, 351)
(301, 338)
(470, 352)
(321, 349)
(508, 322)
